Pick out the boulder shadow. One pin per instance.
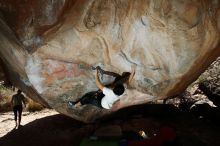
(57, 130)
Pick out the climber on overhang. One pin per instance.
(107, 95)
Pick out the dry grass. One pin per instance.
(5, 98)
(33, 106)
(5, 101)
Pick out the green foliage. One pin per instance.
(201, 79)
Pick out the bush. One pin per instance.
(5, 101)
(5, 107)
(33, 106)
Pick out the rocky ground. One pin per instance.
(8, 124)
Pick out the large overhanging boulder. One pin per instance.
(49, 46)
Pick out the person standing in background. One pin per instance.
(16, 102)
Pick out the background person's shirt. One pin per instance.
(109, 98)
(17, 99)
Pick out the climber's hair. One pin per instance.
(119, 89)
(123, 78)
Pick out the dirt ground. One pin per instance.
(47, 127)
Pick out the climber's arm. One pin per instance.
(107, 72)
(98, 83)
(111, 73)
(132, 74)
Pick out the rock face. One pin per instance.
(49, 46)
(210, 82)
